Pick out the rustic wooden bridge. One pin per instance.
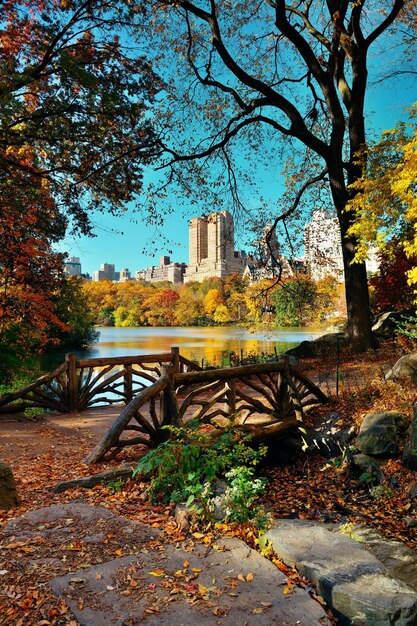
(266, 400)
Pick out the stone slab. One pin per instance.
(231, 585)
(354, 582)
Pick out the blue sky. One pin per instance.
(130, 242)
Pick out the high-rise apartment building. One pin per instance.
(323, 248)
(165, 271)
(124, 275)
(72, 267)
(106, 272)
(212, 253)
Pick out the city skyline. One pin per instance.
(212, 253)
(126, 240)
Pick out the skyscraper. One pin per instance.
(211, 240)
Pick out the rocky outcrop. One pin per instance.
(379, 433)
(405, 368)
(8, 491)
(359, 587)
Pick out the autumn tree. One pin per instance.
(75, 134)
(70, 307)
(384, 208)
(30, 273)
(212, 300)
(250, 75)
(302, 302)
(101, 300)
(161, 307)
(75, 92)
(391, 289)
(190, 308)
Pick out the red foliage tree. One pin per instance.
(391, 289)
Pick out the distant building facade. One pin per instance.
(72, 267)
(165, 271)
(124, 275)
(212, 252)
(106, 272)
(323, 248)
(268, 262)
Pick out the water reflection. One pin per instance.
(197, 343)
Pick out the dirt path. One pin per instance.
(105, 555)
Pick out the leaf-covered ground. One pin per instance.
(309, 487)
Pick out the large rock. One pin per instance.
(379, 433)
(322, 345)
(305, 350)
(410, 446)
(406, 367)
(328, 437)
(386, 324)
(232, 585)
(354, 582)
(8, 492)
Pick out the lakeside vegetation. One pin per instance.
(76, 306)
(296, 302)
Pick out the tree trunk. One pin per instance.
(356, 282)
(357, 299)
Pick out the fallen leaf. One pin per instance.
(157, 572)
(250, 577)
(267, 604)
(219, 611)
(186, 563)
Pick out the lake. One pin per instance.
(196, 343)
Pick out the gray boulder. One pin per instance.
(328, 438)
(385, 323)
(357, 585)
(305, 350)
(406, 367)
(8, 492)
(322, 345)
(410, 446)
(379, 433)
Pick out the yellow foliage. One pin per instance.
(386, 194)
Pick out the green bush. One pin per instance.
(185, 468)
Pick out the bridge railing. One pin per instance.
(78, 384)
(265, 401)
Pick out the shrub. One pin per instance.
(185, 468)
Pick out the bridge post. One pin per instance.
(170, 412)
(231, 397)
(128, 382)
(175, 353)
(72, 382)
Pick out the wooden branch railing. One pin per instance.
(78, 384)
(265, 401)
